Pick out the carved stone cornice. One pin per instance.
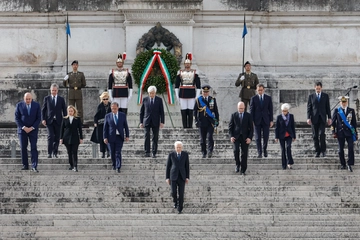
(151, 17)
(159, 4)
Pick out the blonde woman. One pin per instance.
(102, 110)
(71, 135)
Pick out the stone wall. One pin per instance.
(289, 48)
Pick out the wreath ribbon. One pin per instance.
(165, 72)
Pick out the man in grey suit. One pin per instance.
(178, 174)
(318, 109)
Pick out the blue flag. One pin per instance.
(68, 29)
(244, 30)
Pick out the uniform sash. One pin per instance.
(343, 117)
(204, 107)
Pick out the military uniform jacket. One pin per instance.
(202, 119)
(75, 82)
(248, 85)
(338, 126)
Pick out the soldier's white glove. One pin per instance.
(66, 77)
(130, 94)
(177, 94)
(197, 93)
(110, 95)
(242, 77)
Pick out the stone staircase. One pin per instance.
(315, 200)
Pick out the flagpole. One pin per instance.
(243, 37)
(67, 44)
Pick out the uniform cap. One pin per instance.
(206, 88)
(188, 57)
(343, 98)
(75, 62)
(247, 62)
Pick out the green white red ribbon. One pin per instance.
(165, 72)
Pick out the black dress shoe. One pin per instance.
(343, 167)
(118, 170)
(259, 156)
(349, 168)
(108, 154)
(114, 168)
(265, 153)
(49, 156)
(25, 168)
(175, 205)
(71, 168)
(242, 173)
(34, 170)
(317, 155)
(209, 154)
(237, 169)
(147, 154)
(75, 169)
(55, 155)
(153, 155)
(204, 155)
(323, 154)
(103, 155)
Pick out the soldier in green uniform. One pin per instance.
(75, 80)
(248, 81)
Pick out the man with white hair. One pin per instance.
(178, 174)
(152, 117)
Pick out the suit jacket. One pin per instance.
(49, 111)
(260, 111)
(110, 127)
(245, 129)
(176, 168)
(71, 133)
(338, 127)
(316, 109)
(23, 119)
(202, 119)
(281, 127)
(154, 114)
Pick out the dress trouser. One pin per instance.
(178, 185)
(350, 142)
(72, 150)
(24, 141)
(53, 130)
(262, 129)
(115, 150)
(286, 157)
(319, 128)
(244, 153)
(155, 131)
(208, 132)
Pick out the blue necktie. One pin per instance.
(178, 156)
(318, 97)
(28, 108)
(116, 119)
(261, 100)
(53, 101)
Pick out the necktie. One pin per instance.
(261, 100)
(152, 101)
(53, 101)
(318, 97)
(28, 108)
(116, 119)
(178, 156)
(241, 117)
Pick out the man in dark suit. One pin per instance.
(52, 112)
(344, 128)
(206, 119)
(178, 174)
(261, 110)
(241, 132)
(114, 125)
(318, 108)
(27, 118)
(152, 117)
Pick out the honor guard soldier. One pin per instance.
(206, 119)
(75, 81)
(120, 84)
(248, 82)
(187, 89)
(344, 128)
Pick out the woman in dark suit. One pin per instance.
(285, 132)
(71, 135)
(102, 110)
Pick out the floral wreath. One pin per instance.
(158, 68)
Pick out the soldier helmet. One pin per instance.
(188, 58)
(343, 98)
(121, 57)
(205, 88)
